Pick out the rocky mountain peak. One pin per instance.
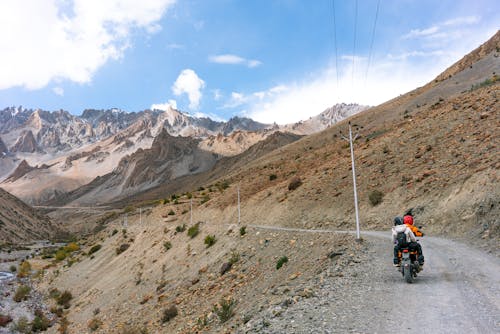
(26, 143)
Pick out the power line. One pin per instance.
(335, 43)
(354, 44)
(371, 44)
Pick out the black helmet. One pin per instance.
(398, 221)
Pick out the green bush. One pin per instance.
(167, 245)
(180, 228)
(235, 257)
(243, 230)
(210, 240)
(22, 293)
(193, 230)
(282, 260)
(272, 177)
(375, 197)
(226, 309)
(171, 212)
(12, 268)
(40, 323)
(22, 325)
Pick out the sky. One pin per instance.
(271, 60)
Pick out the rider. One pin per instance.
(408, 221)
(399, 227)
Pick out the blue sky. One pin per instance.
(269, 60)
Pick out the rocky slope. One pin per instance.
(20, 223)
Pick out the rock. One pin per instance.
(225, 268)
(4, 320)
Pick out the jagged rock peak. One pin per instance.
(26, 143)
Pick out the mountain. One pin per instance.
(78, 149)
(21, 223)
(324, 120)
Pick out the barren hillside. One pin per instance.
(19, 223)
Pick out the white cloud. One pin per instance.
(175, 46)
(58, 91)
(421, 32)
(462, 20)
(53, 39)
(188, 82)
(310, 96)
(234, 60)
(442, 30)
(405, 55)
(217, 94)
(164, 106)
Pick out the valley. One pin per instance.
(153, 242)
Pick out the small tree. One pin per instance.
(375, 197)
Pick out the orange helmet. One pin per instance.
(408, 220)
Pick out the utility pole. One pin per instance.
(239, 211)
(191, 210)
(351, 139)
(140, 216)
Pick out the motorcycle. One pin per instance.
(409, 264)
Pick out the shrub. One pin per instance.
(294, 183)
(226, 309)
(24, 269)
(64, 299)
(94, 249)
(171, 212)
(22, 325)
(205, 199)
(243, 230)
(375, 197)
(114, 232)
(128, 209)
(235, 257)
(167, 245)
(40, 323)
(169, 314)
(210, 240)
(180, 228)
(94, 324)
(189, 195)
(282, 260)
(22, 293)
(272, 177)
(194, 230)
(72, 247)
(12, 268)
(61, 255)
(122, 248)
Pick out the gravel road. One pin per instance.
(457, 292)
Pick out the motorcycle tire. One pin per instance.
(407, 273)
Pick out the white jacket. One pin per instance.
(403, 228)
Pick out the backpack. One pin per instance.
(402, 240)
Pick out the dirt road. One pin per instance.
(458, 292)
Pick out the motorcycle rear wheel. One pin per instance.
(408, 275)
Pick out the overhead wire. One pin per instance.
(354, 44)
(335, 44)
(371, 43)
